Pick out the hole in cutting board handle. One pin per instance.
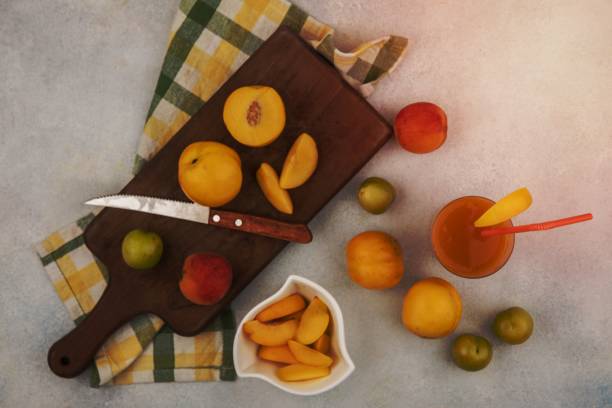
(65, 360)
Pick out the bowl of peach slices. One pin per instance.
(294, 340)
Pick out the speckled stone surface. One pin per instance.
(527, 86)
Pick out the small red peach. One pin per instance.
(421, 127)
(206, 278)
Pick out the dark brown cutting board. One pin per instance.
(348, 132)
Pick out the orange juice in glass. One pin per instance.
(459, 246)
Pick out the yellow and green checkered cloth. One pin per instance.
(209, 41)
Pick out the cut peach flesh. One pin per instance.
(313, 323)
(250, 326)
(272, 334)
(254, 115)
(301, 372)
(277, 354)
(284, 307)
(300, 163)
(322, 344)
(308, 356)
(296, 315)
(506, 208)
(277, 196)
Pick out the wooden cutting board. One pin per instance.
(348, 132)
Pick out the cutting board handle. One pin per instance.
(74, 352)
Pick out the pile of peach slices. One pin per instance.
(210, 173)
(293, 333)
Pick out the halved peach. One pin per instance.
(276, 195)
(308, 356)
(278, 354)
(266, 334)
(301, 372)
(254, 115)
(300, 163)
(284, 307)
(322, 344)
(313, 323)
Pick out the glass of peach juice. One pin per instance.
(458, 245)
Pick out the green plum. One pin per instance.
(142, 249)
(514, 325)
(376, 195)
(471, 352)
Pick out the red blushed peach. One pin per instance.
(206, 278)
(421, 127)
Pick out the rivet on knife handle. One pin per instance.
(261, 226)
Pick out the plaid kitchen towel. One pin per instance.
(209, 41)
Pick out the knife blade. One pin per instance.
(198, 213)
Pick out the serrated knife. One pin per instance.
(206, 215)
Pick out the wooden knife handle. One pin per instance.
(261, 226)
(74, 352)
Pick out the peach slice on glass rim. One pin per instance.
(506, 208)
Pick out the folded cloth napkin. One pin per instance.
(209, 41)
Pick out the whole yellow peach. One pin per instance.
(374, 260)
(210, 173)
(432, 308)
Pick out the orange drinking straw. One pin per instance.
(489, 232)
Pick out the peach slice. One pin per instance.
(301, 372)
(296, 315)
(322, 344)
(254, 115)
(308, 356)
(284, 307)
(278, 354)
(276, 195)
(271, 334)
(300, 163)
(313, 323)
(250, 326)
(506, 208)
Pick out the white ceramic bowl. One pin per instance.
(245, 351)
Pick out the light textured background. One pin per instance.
(527, 86)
